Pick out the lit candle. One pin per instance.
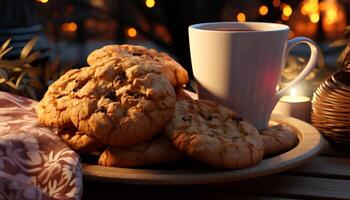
(295, 106)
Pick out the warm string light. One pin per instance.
(314, 18)
(331, 14)
(131, 32)
(69, 27)
(43, 1)
(286, 11)
(150, 3)
(311, 9)
(241, 17)
(263, 10)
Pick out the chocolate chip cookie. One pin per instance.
(78, 141)
(278, 139)
(158, 150)
(52, 109)
(122, 104)
(215, 135)
(112, 54)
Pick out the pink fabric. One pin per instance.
(34, 162)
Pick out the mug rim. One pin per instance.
(204, 27)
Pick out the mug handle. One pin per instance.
(307, 69)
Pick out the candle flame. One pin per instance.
(293, 92)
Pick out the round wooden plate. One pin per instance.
(190, 172)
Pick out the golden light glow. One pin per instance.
(310, 7)
(131, 32)
(276, 3)
(314, 17)
(322, 6)
(293, 92)
(241, 17)
(263, 10)
(150, 3)
(284, 18)
(69, 27)
(291, 34)
(331, 15)
(43, 1)
(287, 10)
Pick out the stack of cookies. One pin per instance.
(128, 104)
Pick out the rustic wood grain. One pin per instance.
(293, 187)
(109, 190)
(328, 150)
(321, 166)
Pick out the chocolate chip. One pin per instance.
(211, 117)
(211, 135)
(79, 84)
(237, 119)
(136, 53)
(102, 109)
(121, 77)
(136, 95)
(187, 118)
(60, 96)
(110, 94)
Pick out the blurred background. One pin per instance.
(50, 36)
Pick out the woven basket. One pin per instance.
(331, 108)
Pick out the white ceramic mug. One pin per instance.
(239, 65)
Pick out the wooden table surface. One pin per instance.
(326, 176)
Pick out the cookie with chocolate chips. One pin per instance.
(79, 142)
(213, 134)
(279, 139)
(52, 110)
(122, 104)
(113, 54)
(157, 150)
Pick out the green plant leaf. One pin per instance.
(28, 48)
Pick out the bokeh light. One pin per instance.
(263, 10)
(69, 27)
(241, 17)
(131, 32)
(150, 3)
